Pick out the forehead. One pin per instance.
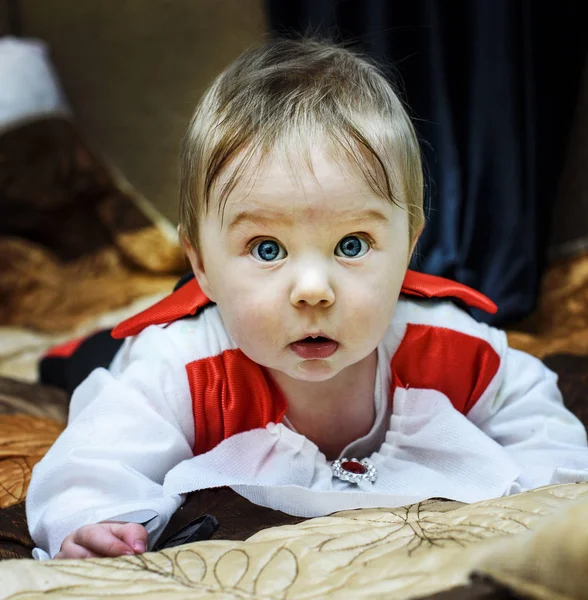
(314, 183)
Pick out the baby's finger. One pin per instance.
(101, 541)
(133, 534)
(72, 550)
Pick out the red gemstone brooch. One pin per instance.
(353, 470)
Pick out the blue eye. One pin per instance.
(352, 246)
(268, 251)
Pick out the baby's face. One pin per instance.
(306, 270)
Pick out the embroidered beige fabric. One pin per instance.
(547, 563)
(534, 541)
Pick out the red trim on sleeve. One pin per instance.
(458, 365)
(66, 349)
(188, 299)
(231, 394)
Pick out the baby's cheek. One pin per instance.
(370, 319)
(253, 326)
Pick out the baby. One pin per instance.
(304, 366)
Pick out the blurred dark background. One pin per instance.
(498, 90)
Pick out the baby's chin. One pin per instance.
(312, 371)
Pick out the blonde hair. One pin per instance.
(284, 95)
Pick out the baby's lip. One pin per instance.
(314, 347)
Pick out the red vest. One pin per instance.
(232, 394)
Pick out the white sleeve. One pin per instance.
(527, 417)
(127, 428)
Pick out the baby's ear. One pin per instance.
(196, 263)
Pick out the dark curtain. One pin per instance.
(491, 86)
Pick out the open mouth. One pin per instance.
(315, 340)
(312, 347)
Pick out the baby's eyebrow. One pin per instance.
(266, 217)
(367, 214)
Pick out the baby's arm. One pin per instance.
(528, 418)
(127, 428)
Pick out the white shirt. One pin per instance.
(126, 453)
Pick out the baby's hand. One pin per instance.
(104, 539)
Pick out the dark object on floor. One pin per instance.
(67, 371)
(198, 530)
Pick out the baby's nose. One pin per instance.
(312, 287)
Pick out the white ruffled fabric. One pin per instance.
(430, 450)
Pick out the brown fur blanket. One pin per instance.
(74, 240)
